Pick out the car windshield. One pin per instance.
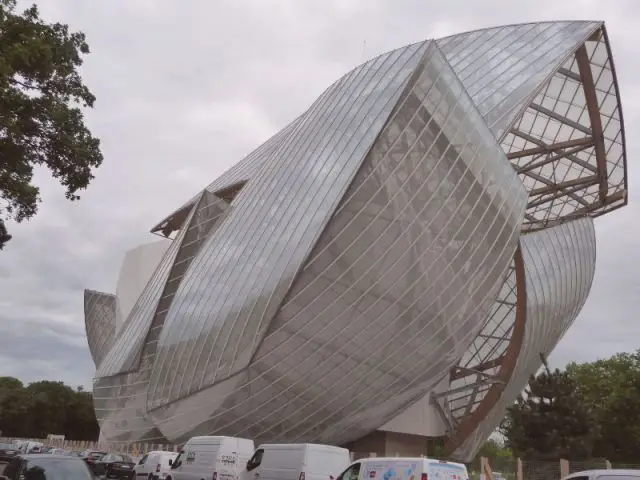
(47, 468)
(113, 458)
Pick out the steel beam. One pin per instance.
(588, 85)
(576, 142)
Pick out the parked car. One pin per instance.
(155, 465)
(608, 474)
(58, 451)
(115, 465)
(7, 452)
(46, 467)
(91, 457)
(30, 447)
(35, 449)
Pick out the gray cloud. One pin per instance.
(184, 91)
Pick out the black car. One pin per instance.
(92, 457)
(115, 465)
(46, 467)
(8, 451)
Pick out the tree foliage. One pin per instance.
(591, 410)
(550, 420)
(46, 407)
(611, 387)
(500, 456)
(41, 124)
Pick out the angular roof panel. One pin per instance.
(100, 323)
(245, 270)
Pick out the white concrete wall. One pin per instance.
(421, 418)
(138, 266)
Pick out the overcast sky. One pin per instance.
(185, 89)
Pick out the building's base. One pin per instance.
(389, 444)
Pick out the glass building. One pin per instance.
(390, 266)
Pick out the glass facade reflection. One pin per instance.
(410, 260)
(412, 226)
(100, 323)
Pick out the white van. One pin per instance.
(154, 465)
(32, 447)
(211, 458)
(404, 468)
(610, 474)
(297, 461)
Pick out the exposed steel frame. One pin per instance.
(493, 373)
(461, 427)
(587, 152)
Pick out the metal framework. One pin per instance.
(568, 146)
(477, 381)
(568, 149)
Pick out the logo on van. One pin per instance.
(229, 459)
(191, 456)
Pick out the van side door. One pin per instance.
(227, 461)
(254, 462)
(140, 467)
(175, 465)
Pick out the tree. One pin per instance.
(41, 123)
(550, 420)
(500, 456)
(4, 235)
(14, 406)
(81, 418)
(50, 402)
(10, 383)
(611, 388)
(46, 407)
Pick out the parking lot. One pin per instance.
(20, 456)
